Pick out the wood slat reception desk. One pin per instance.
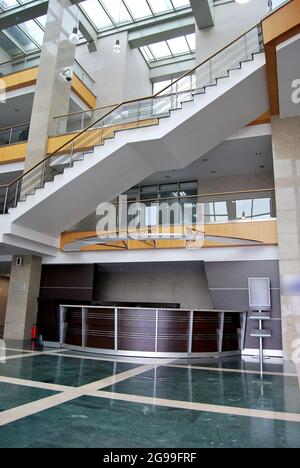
(152, 332)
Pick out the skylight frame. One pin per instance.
(9, 34)
(133, 20)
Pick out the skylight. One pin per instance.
(183, 45)
(108, 14)
(26, 37)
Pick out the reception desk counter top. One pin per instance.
(146, 332)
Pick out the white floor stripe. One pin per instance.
(291, 417)
(29, 409)
(238, 371)
(34, 384)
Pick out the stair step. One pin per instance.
(259, 316)
(261, 333)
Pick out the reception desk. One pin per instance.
(152, 332)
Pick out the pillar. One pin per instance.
(52, 93)
(24, 286)
(286, 154)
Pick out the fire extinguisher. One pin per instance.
(34, 333)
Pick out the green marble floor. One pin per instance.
(16, 395)
(275, 393)
(61, 370)
(117, 419)
(96, 422)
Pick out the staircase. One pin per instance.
(167, 131)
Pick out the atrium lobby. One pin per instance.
(149, 227)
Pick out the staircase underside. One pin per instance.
(133, 155)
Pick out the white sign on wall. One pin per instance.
(259, 293)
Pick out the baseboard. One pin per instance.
(267, 352)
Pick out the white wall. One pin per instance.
(231, 20)
(118, 76)
(236, 183)
(185, 284)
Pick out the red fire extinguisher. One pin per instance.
(34, 333)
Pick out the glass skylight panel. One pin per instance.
(117, 11)
(160, 50)
(6, 4)
(181, 3)
(160, 6)
(178, 45)
(139, 9)
(96, 14)
(33, 30)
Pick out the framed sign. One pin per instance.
(259, 293)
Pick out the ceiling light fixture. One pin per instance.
(117, 46)
(242, 2)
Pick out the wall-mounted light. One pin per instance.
(74, 37)
(117, 47)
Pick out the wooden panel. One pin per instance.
(74, 326)
(13, 153)
(136, 330)
(230, 334)
(262, 119)
(100, 324)
(20, 79)
(283, 24)
(205, 332)
(67, 282)
(264, 232)
(83, 92)
(281, 21)
(173, 331)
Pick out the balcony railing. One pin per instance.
(32, 60)
(214, 208)
(14, 134)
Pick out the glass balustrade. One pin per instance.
(14, 135)
(32, 60)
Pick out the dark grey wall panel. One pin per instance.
(228, 283)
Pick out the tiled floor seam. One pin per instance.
(38, 406)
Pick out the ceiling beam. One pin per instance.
(204, 13)
(172, 68)
(38, 8)
(162, 31)
(23, 13)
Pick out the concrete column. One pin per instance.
(24, 286)
(286, 154)
(119, 77)
(52, 93)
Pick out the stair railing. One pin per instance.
(135, 113)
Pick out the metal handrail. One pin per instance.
(198, 195)
(73, 150)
